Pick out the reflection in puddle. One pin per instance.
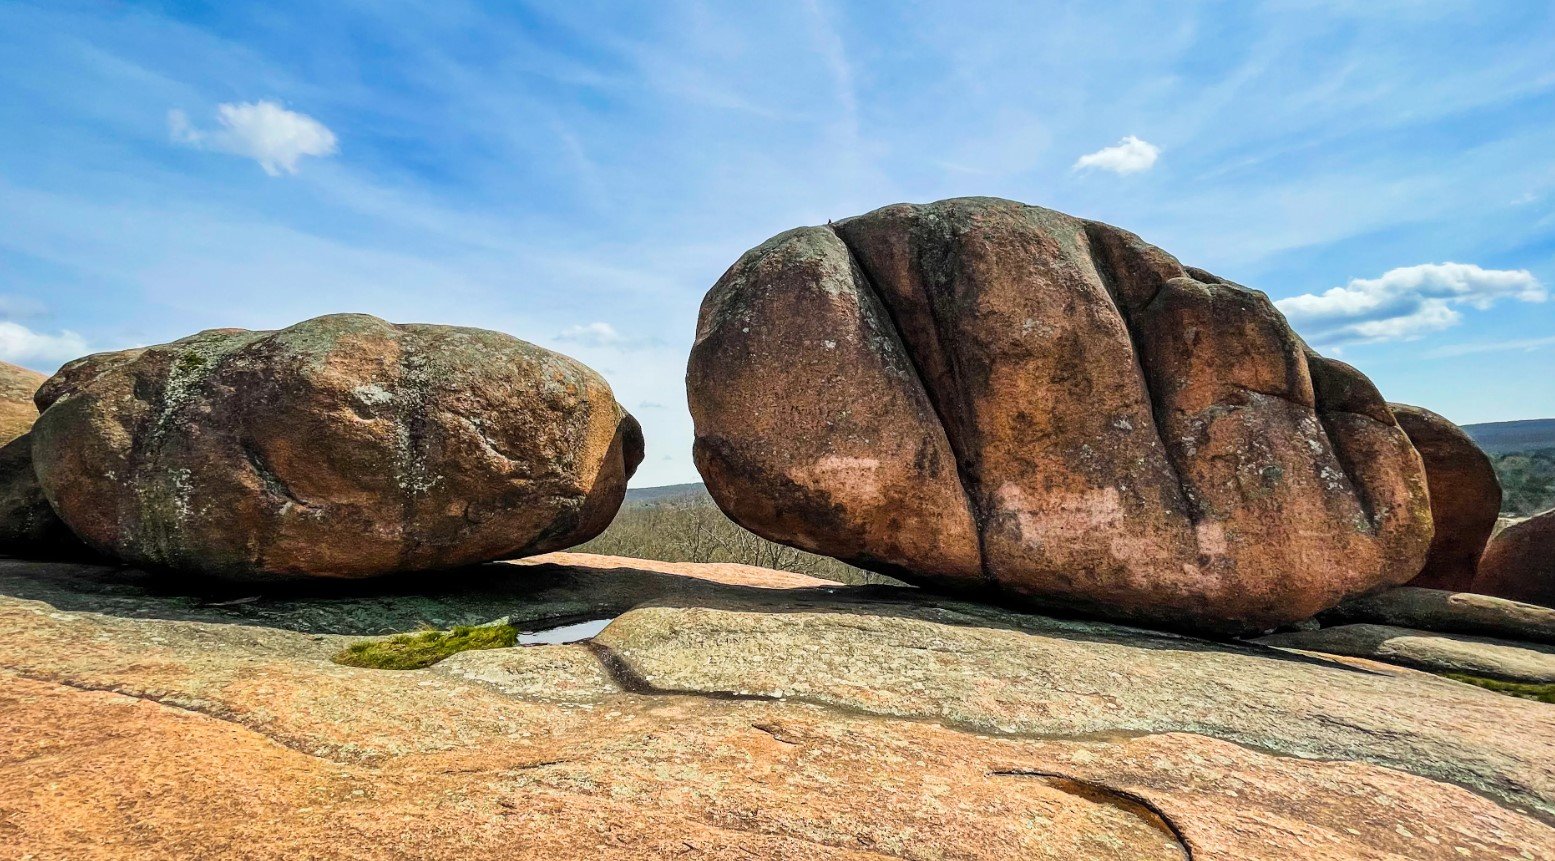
(563, 634)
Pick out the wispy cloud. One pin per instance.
(263, 131)
(835, 55)
(1452, 351)
(605, 337)
(1406, 302)
(596, 334)
(1130, 155)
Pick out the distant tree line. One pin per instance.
(691, 528)
(1527, 481)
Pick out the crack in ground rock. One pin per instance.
(775, 731)
(1498, 789)
(1130, 802)
(176, 704)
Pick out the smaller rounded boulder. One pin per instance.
(1465, 497)
(341, 447)
(1519, 564)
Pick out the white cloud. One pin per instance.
(591, 334)
(1406, 302)
(23, 346)
(263, 131)
(1130, 155)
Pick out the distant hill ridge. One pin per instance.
(1505, 437)
(665, 492)
(1493, 437)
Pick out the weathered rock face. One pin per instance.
(1465, 497)
(28, 526)
(17, 412)
(986, 395)
(1520, 562)
(342, 446)
(727, 712)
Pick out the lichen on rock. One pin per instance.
(425, 648)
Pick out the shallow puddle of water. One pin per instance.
(570, 633)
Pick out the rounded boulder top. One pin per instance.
(1465, 497)
(1519, 562)
(342, 446)
(987, 396)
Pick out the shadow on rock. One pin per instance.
(524, 592)
(532, 593)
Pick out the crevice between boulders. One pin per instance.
(1324, 412)
(1347, 468)
(971, 486)
(1157, 409)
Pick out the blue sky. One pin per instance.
(579, 173)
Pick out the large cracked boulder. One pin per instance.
(17, 413)
(343, 446)
(1520, 562)
(1465, 497)
(982, 395)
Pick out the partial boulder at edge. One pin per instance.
(1519, 563)
(343, 446)
(29, 529)
(986, 396)
(1449, 612)
(1465, 497)
(17, 413)
(1428, 650)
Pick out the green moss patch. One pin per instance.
(425, 648)
(1544, 693)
